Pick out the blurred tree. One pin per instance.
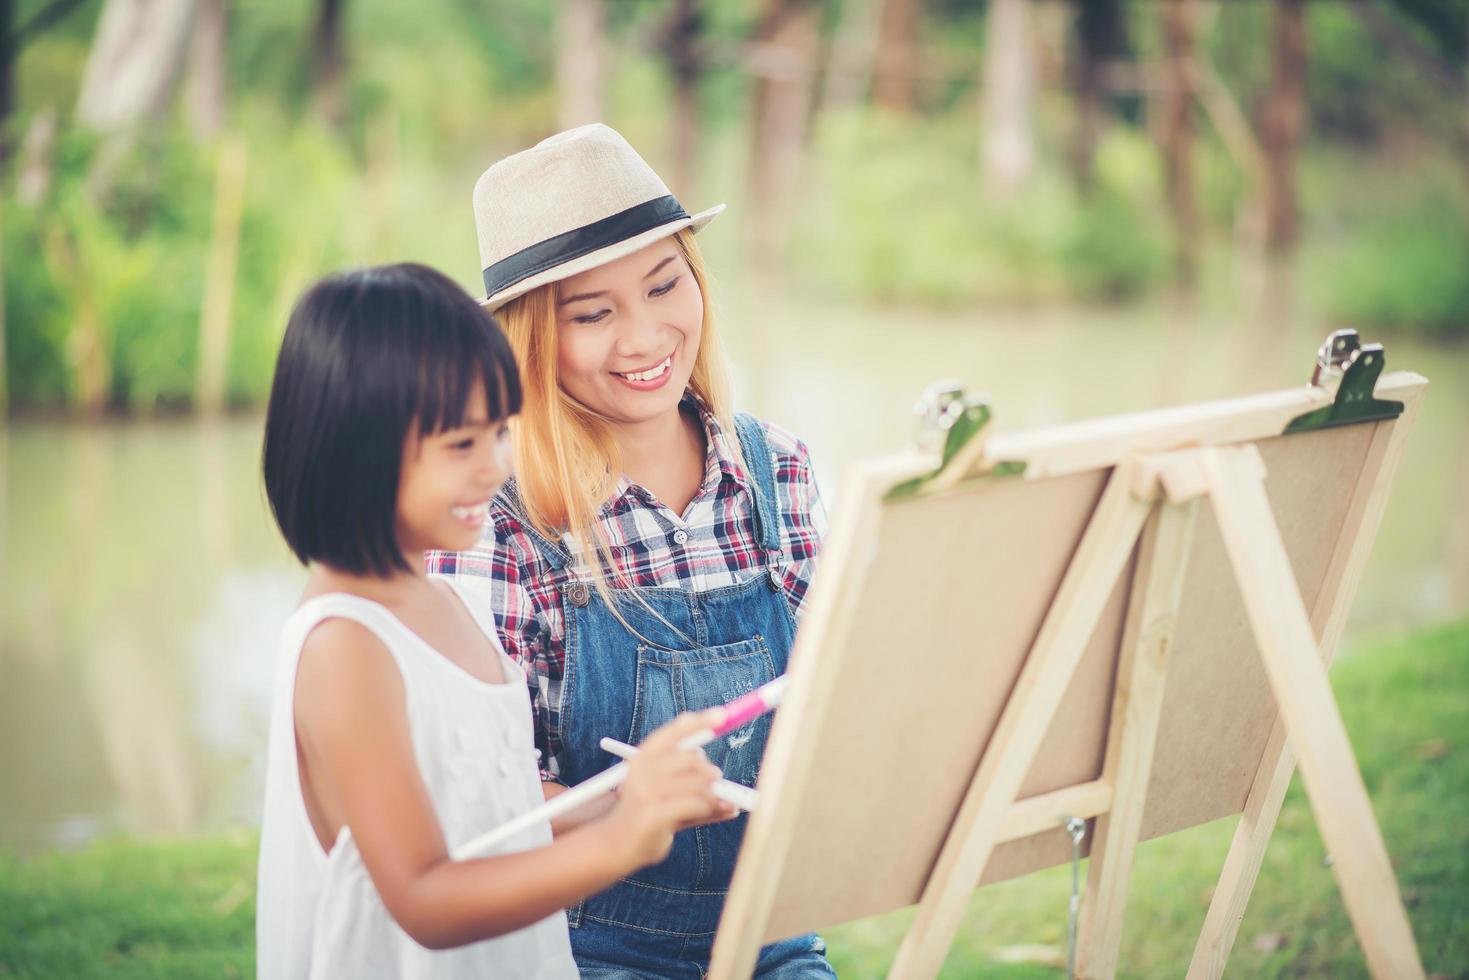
(220, 275)
(208, 67)
(328, 62)
(581, 61)
(1176, 132)
(895, 82)
(13, 38)
(853, 52)
(682, 46)
(783, 60)
(8, 52)
(136, 59)
(1284, 117)
(4, 377)
(1099, 38)
(1443, 58)
(1007, 145)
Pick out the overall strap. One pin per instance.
(759, 466)
(553, 552)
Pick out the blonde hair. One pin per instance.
(566, 460)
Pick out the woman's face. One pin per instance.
(627, 333)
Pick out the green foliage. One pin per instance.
(131, 910)
(900, 216)
(893, 210)
(1405, 271)
(1397, 252)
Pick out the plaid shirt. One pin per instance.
(654, 547)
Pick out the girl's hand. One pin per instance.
(667, 789)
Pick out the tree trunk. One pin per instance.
(853, 55)
(328, 62)
(219, 278)
(581, 61)
(9, 51)
(1176, 133)
(1007, 146)
(4, 378)
(135, 62)
(894, 86)
(784, 61)
(1099, 33)
(88, 345)
(686, 62)
(208, 61)
(1285, 117)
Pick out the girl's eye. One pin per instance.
(666, 288)
(503, 432)
(596, 317)
(462, 444)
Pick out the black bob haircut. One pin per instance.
(367, 354)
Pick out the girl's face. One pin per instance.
(448, 479)
(627, 333)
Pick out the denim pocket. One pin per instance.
(670, 682)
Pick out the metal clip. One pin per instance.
(1349, 369)
(951, 430)
(938, 408)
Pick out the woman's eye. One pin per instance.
(666, 288)
(462, 444)
(596, 317)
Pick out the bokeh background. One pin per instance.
(1077, 207)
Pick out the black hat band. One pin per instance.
(582, 241)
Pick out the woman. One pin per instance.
(653, 550)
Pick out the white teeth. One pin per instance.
(478, 512)
(651, 373)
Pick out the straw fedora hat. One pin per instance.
(570, 203)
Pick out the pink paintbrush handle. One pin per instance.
(745, 709)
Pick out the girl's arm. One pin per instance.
(358, 770)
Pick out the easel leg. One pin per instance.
(1278, 762)
(1104, 550)
(1136, 708)
(1246, 854)
(1309, 713)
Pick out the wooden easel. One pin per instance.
(1149, 507)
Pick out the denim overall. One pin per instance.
(708, 648)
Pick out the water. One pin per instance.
(144, 584)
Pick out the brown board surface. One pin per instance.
(941, 603)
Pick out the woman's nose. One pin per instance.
(640, 332)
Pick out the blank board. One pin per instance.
(926, 608)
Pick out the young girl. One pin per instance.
(654, 548)
(400, 729)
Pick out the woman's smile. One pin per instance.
(647, 379)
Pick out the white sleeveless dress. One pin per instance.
(318, 915)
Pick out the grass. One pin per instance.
(186, 908)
